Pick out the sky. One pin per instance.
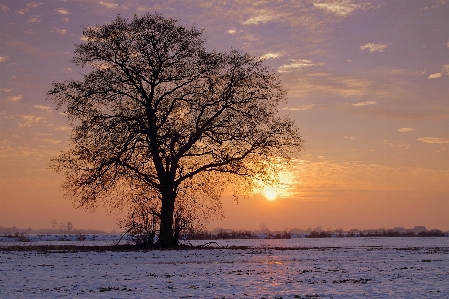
(368, 88)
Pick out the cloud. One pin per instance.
(342, 7)
(444, 71)
(298, 64)
(62, 11)
(231, 31)
(6, 89)
(374, 47)
(3, 58)
(433, 140)
(27, 48)
(300, 108)
(108, 5)
(5, 8)
(59, 30)
(365, 103)
(63, 128)
(373, 84)
(403, 130)
(318, 75)
(29, 120)
(52, 141)
(21, 11)
(33, 4)
(399, 144)
(41, 107)
(35, 20)
(15, 98)
(265, 18)
(324, 176)
(435, 75)
(271, 55)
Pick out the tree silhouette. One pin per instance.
(159, 113)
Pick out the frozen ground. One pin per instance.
(315, 268)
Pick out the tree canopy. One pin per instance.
(159, 115)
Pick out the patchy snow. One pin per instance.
(317, 268)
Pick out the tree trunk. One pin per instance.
(166, 233)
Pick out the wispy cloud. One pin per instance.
(34, 4)
(15, 98)
(264, 18)
(28, 48)
(4, 8)
(342, 7)
(271, 55)
(435, 75)
(108, 4)
(300, 108)
(41, 107)
(444, 71)
(6, 89)
(52, 141)
(62, 11)
(63, 128)
(325, 175)
(403, 130)
(21, 11)
(35, 20)
(3, 58)
(29, 120)
(298, 64)
(59, 30)
(434, 140)
(399, 144)
(364, 103)
(374, 47)
(370, 85)
(231, 31)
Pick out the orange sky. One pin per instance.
(368, 86)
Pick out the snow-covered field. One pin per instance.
(295, 268)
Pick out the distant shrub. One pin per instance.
(21, 237)
(81, 237)
(432, 233)
(63, 238)
(316, 234)
(284, 235)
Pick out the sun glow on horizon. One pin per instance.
(280, 188)
(269, 193)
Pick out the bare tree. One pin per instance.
(339, 232)
(69, 226)
(159, 113)
(53, 223)
(62, 226)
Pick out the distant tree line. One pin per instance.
(243, 234)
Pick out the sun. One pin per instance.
(270, 193)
